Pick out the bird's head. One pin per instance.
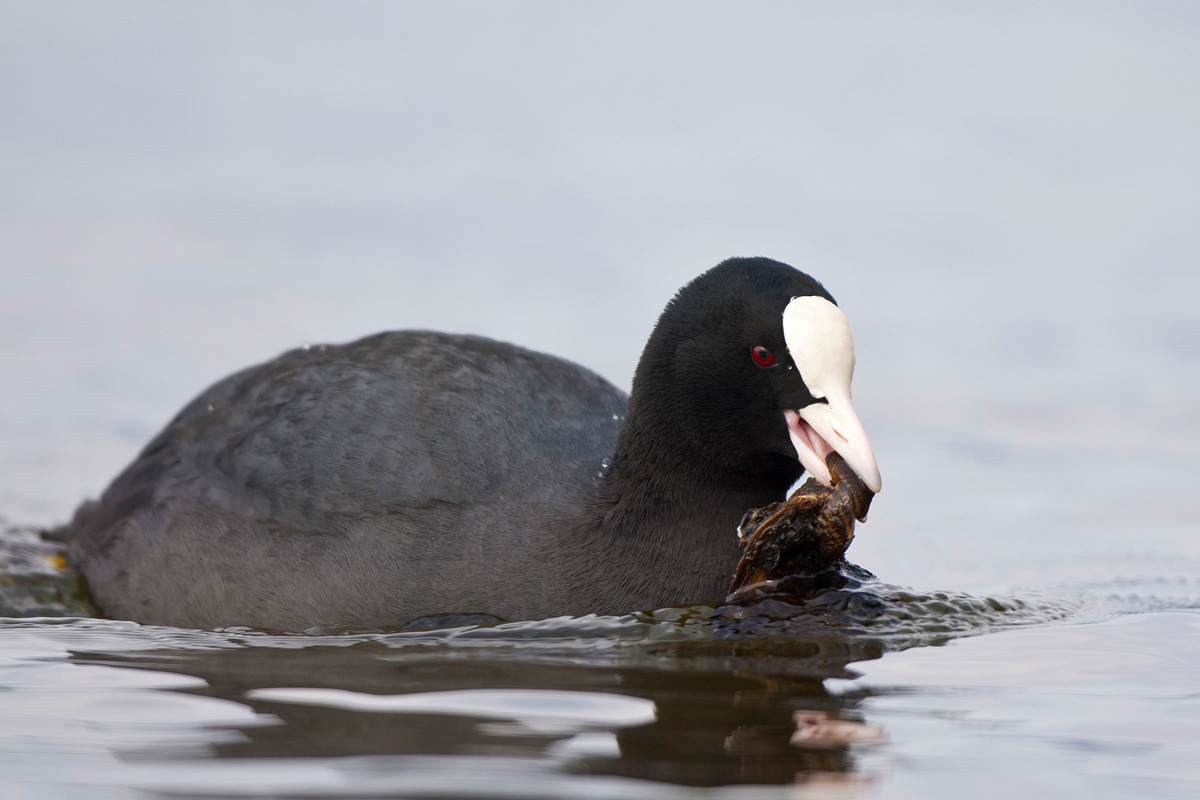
(749, 368)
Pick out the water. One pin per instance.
(700, 696)
(641, 705)
(1003, 199)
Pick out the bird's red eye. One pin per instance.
(762, 356)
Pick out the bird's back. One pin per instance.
(372, 482)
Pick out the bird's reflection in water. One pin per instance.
(724, 711)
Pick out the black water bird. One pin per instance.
(415, 473)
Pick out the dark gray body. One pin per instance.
(401, 475)
(411, 474)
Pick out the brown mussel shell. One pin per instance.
(807, 534)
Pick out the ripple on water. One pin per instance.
(35, 580)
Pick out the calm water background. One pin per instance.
(1003, 199)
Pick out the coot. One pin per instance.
(415, 473)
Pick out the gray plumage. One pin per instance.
(415, 473)
(306, 490)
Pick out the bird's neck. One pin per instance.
(661, 542)
(663, 526)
